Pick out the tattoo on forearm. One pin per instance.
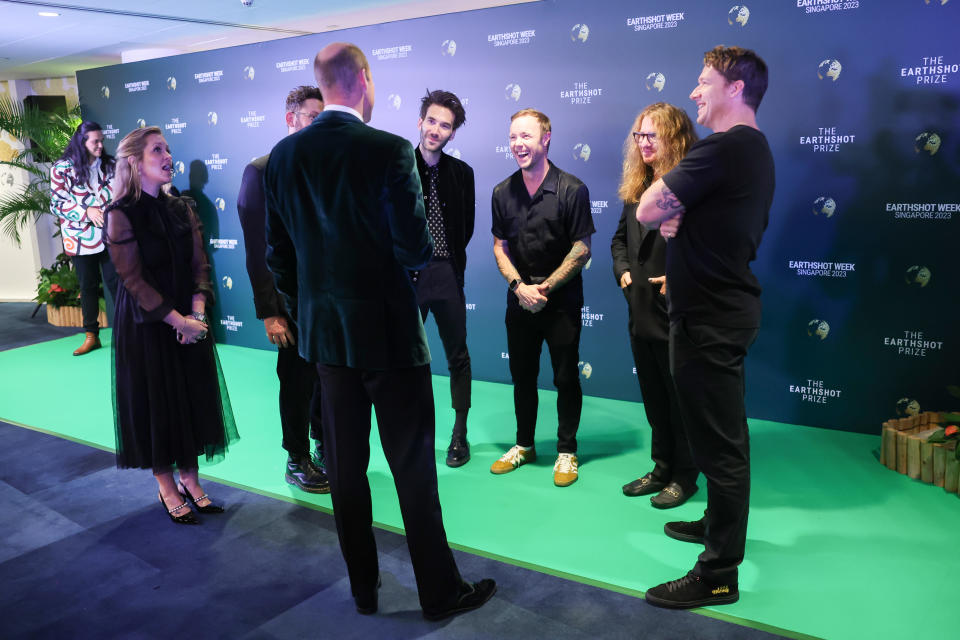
(571, 265)
(504, 263)
(668, 201)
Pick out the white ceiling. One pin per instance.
(95, 33)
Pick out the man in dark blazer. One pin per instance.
(448, 194)
(299, 386)
(345, 224)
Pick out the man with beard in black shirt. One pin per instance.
(713, 208)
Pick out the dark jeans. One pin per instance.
(88, 270)
(438, 291)
(526, 332)
(707, 365)
(670, 450)
(299, 401)
(403, 400)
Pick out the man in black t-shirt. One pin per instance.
(713, 207)
(541, 240)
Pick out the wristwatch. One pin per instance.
(514, 284)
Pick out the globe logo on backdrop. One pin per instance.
(227, 282)
(586, 369)
(212, 118)
(581, 151)
(927, 141)
(105, 92)
(512, 92)
(453, 152)
(940, 2)
(586, 267)
(829, 69)
(825, 205)
(738, 14)
(394, 101)
(179, 168)
(917, 275)
(141, 123)
(817, 328)
(249, 72)
(908, 407)
(220, 204)
(656, 81)
(448, 48)
(6, 179)
(172, 83)
(579, 33)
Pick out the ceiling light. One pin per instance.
(48, 14)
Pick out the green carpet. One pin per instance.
(838, 546)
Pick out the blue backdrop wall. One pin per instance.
(860, 293)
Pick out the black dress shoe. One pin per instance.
(367, 606)
(458, 453)
(303, 473)
(208, 508)
(643, 486)
(472, 596)
(687, 531)
(673, 495)
(180, 514)
(692, 591)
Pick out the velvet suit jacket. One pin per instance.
(642, 252)
(345, 221)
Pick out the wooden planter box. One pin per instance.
(70, 316)
(904, 449)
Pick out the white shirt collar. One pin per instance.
(344, 109)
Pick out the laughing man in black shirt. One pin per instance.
(541, 240)
(713, 208)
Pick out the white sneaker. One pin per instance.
(513, 458)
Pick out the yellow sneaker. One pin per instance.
(565, 470)
(513, 458)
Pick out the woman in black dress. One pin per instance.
(170, 401)
(659, 138)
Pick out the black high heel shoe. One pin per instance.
(210, 508)
(185, 518)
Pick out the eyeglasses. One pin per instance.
(638, 137)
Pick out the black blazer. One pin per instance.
(345, 221)
(458, 204)
(642, 252)
(253, 215)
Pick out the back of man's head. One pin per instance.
(737, 63)
(337, 66)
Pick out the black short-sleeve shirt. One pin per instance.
(541, 230)
(725, 184)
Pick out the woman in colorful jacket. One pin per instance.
(80, 190)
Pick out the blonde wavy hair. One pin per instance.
(129, 155)
(675, 136)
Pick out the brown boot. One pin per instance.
(90, 342)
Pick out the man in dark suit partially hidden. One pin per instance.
(345, 223)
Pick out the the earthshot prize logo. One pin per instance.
(581, 151)
(6, 179)
(579, 33)
(249, 72)
(917, 276)
(394, 101)
(212, 118)
(105, 92)
(939, 2)
(141, 123)
(829, 68)
(738, 14)
(817, 328)
(227, 282)
(453, 153)
(656, 80)
(179, 168)
(220, 204)
(512, 92)
(824, 205)
(907, 407)
(230, 323)
(586, 369)
(814, 392)
(172, 83)
(928, 141)
(448, 48)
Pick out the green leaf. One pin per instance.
(937, 436)
(950, 417)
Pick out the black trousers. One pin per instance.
(670, 450)
(707, 365)
(526, 333)
(88, 268)
(439, 291)
(403, 401)
(299, 401)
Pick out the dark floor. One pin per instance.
(86, 552)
